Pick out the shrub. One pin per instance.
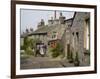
(29, 45)
(76, 57)
(76, 62)
(26, 43)
(57, 50)
(68, 55)
(22, 47)
(29, 51)
(71, 57)
(55, 54)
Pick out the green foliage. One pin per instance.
(22, 47)
(76, 57)
(76, 62)
(33, 43)
(29, 51)
(29, 45)
(26, 43)
(55, 54)
(57, 50)
(70, 57)
(62, 55)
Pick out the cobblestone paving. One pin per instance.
(46, 62)
(43, 62)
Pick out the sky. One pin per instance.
(31, 17)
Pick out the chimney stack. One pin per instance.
(31, 29)
(55, 14)
(27, 31)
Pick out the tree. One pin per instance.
(29, 45)
(26, 44)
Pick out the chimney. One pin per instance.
(55, 14)
(31, 29)
(61, 18)
(60, 13)
(27, 31)
(42, 22)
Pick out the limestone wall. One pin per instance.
(77, 34)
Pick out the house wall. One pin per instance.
(78, 34)
(66, 38)
(76, 37)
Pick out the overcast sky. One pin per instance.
(30, 18)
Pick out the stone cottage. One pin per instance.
(73, 33)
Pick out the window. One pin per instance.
(54, 34)
(77, 34)
(73, 33)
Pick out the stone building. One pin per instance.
(76, 37)
(66, 38)
(54, 29)
(73, 33)
(80, 34)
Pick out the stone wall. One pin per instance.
(74, 37)
(77, 34)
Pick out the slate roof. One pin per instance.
(54, 28)
(44, 30)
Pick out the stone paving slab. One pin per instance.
(45, 62)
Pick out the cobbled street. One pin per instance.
(46, 62)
